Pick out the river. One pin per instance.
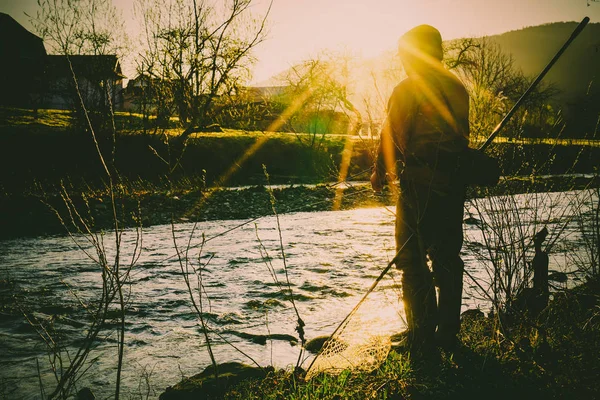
(332, 258)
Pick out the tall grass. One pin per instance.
(507, 220)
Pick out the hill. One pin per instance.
(533, 47)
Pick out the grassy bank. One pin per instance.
(32, 159)
(553, 356)
(47, 149)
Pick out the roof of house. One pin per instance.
(16, 41)
(89, 66)
(144, 80)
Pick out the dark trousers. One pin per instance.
(430, 223)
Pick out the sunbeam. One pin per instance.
(237, 164)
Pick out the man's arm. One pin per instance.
(379, 168)
(395, 134)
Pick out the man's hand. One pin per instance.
(376, 182)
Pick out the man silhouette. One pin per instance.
(426, 129)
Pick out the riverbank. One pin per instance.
(38, 214)
(551, 356)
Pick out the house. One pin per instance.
(264, 93)
(99, 79)
(143, 93)
(22, 67)
(30, 78)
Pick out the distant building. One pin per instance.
(99, 79)
(30, 78)
(22, 64)
(143, 94)
(263, 93)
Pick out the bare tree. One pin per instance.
(318, 92)
(494, 85)
(200, 51)
(80, 27)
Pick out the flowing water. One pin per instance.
(332, 258)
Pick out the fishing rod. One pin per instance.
(533, 85)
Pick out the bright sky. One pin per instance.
(302, 28)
